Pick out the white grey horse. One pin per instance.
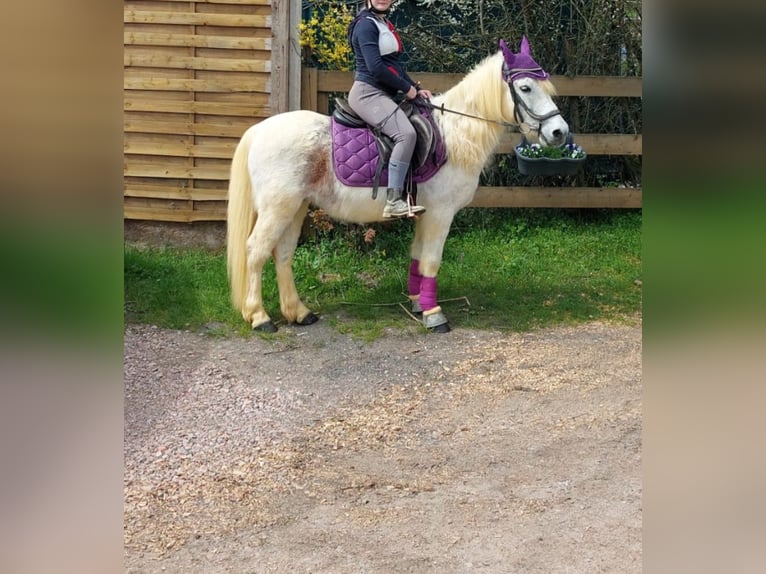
(284, 164)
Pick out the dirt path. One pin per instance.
(472, 451)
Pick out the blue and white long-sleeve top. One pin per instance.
(377, 50)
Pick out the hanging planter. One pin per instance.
(534, 159)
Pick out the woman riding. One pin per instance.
(379, 76)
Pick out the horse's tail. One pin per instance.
(240, 219)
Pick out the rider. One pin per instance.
(379, 77)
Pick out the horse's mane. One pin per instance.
(480, 93)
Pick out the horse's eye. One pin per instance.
(525, 89)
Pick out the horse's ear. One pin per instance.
(525, 46)
(507, 54)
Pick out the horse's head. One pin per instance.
(532, 94)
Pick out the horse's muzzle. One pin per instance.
(554, 131)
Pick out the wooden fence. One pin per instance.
(316, 86)
(197, 74)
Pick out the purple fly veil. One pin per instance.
(521, 65)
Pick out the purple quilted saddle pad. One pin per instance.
(355, 157)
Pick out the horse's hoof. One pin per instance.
(309, 319)
(443, 328)
(267, 327)
(435, 321)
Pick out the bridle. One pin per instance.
(509, 74)
(520, 126)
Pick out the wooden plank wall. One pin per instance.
(197, 74)
(317, 85)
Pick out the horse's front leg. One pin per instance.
(422, 285)
(293, 309)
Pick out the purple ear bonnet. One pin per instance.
(521, 65)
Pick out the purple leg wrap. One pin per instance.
(428, 293)
(413, 282)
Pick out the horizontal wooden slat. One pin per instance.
(185, 128)
(262, 85)
(604, 86)
(132, 38)
(178, 172)
(567, 197)
(616, 86)
(196, 63)
(174, 215)
(215, 151)
(134, 103)
(174, 192)
(195, 19)
(334, 81)
(559, 197)
(593, 144)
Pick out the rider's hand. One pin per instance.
(425, 94)
(412, 93)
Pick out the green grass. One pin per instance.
(507, 270)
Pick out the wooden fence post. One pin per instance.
(309, 89)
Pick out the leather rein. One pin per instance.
(520, 126)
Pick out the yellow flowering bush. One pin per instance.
(325, 35)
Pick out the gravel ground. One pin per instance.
(314, 452)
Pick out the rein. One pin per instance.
(519, 126)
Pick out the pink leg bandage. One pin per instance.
(413, 282)
(428, 293)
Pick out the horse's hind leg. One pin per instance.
(268, 231)
(293, 309)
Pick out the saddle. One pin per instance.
(357, 147)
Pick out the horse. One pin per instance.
(283, 164)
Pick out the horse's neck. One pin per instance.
(471, 141)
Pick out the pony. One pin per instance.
(283, 164)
